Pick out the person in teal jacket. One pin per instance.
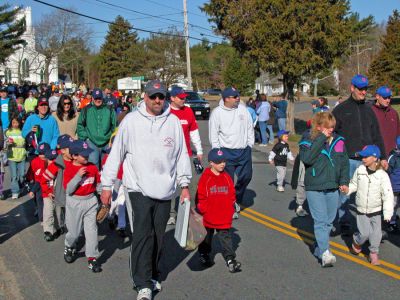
(96, 123)
(326, 173)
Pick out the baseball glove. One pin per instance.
(102, 213)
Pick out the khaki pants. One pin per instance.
(50, 221)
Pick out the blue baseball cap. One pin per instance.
(359, 81)
(177, 91)
(97, 93)
(384, 91)
(80, 147)
(370, 150)
(282, 132)
(43, 148)
(51, 154)
(216, 156)
(64, 141)
(230, 92)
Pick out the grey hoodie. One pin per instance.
(153, 152)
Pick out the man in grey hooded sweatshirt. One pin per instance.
(151, 145)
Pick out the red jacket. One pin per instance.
(389, 126)
(88, 182)
(215, 199)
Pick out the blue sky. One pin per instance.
(172, 10)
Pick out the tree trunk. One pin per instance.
(288, 83)
(46, 70)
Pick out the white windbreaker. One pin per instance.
(373, 192)
(231, 127)
(153, 152)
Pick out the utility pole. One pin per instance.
(189, 71)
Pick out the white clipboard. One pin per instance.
(182, 223)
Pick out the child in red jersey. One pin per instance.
(215, 198)
(80, 181)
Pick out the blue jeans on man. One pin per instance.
(270, 134)
(97, 154)
(323, 207)
(282, 123)
(263, 131)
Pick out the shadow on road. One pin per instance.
(16, 220)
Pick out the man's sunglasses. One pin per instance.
(387, 98)
(362, 89)
(159, 96)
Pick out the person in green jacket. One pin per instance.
(326, 173)
(30, 103)
(16, 154)
(96, 123)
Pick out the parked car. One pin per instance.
(200, 107)
(202, 92)
(214, 92)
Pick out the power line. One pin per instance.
(174, 8)
(112, 23)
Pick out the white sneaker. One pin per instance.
(280, 189)
(237, 207)
(144, 294)
(171, 221)
(300, 211)
(235, 216)
(14, 196)
(156, 286)
(328, 259)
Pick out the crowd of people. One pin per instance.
(101, 148)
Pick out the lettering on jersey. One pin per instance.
(169, 142)
(219, 190)
(87, 181)
(184, 122)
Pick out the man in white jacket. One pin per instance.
(231, 129)
(151, 146)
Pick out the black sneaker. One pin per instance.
(206, 261)
(69, 255)
(233, 266)
(94, 266)
(48, 237)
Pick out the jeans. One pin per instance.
(344, 213)
(323, 207)
(270, 134)
(97, 154)
(282, 123)
(263, 130)
(17, 172)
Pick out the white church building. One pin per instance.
(26, 64)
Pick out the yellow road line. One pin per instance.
(309, 241)
(308, 234)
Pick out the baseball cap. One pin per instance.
(384, 91)
(282, 132)
(43, 148)
(97, 93)
(177, 91)
(230, 92)
(155, 87)
(64, 141)
(43, 100)
(370, 150)
(359, 81)
(80, 147)
(216, 156)
(51, 154)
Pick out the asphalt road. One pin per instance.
(271, 242)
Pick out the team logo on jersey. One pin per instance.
(169, 142)
(87, 181)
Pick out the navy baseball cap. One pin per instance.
(230, 92)
(216, 156)
(80, 147)
(97, 93)
(43, 100)
(155, 87)
(64, 141)
(177, 91)
(43, 148)
(282, 132)
(359, 81)
(51, 154)
(384, 91)
(370, 150)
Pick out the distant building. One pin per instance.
(273, 85)
(26, 64)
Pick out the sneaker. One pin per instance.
(156, 285)
(374, 259)
(144, 294)
(233, 266)
(355, 248)
(300, 211)
(94, 265)
(280, 188)
(206, 261)
(235, 216)
(48, 237)
(237, 207)
(328, 259)
(69, 254)
(171, 221)
(14, 196)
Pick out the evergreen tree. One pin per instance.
(385, 69)
(117, 53)
(11, 31)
